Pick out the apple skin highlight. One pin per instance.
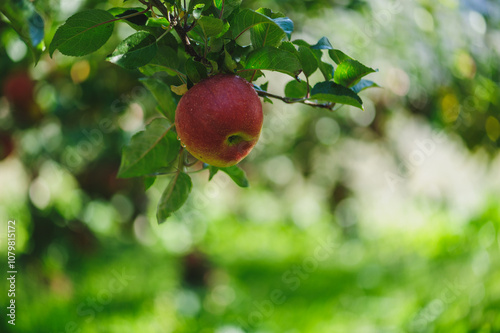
(219, 119)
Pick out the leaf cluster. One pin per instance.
(177, 44)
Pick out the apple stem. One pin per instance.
(180, 164)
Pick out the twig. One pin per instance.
(289, 100)
(181, 31)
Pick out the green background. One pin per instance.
(383, 220)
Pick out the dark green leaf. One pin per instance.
(229, 62)
(136, 21)
(296, 89)
(135, 51)
(325, 68)
(166, 56)
(267, 35)
(195, 70)
(149, 150)
(322, 44)
(273, 59)
(152, 69)
(174, 196)
(364, 84)
(288, 46)
(350, 71)
(334, 93)
(338, 56)
(308, 60)
(270, 13)
(26, 22)
(301, 42)
(148, 182)
(212, 171)
(83, 33)
(237, 175)
(211, 26)
(227, 6)
(163, 96)
(264, 30)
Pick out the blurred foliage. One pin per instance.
(420, 257)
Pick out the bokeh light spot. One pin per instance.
(327, 130)
(187, 303)
(492, 128)
(424, 19)
(450, 108)
(279, 170)
(80, 71)
(398, 81)
(16, 49)
(39, 193)
(176, 237)
(477, 22)
(464, 66)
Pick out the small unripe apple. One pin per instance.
(219, 119)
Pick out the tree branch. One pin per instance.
(181, 30)
(289, 100)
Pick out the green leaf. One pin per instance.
(364, 84)
(350, 71)
(335, 93)
(212, 171)
(197, 7)
(273, 59)
(229, 62)
(237, 175)
(288, 46)
(195, 70)
(227, 6)
(148, 182)
(322, 44)
(338, 56)
(166, 56)
(219, 4)
(166, 60)
(325, 68)
(174, 196)
(307, 60)
(296, 89)
(211, 26)
(135, 51)
(28, 24)
(137, 22)
(286, 25)
(83, 33)
(149, 150)
(270, 13)
(264, 30)
(163, 95)
(159, 22)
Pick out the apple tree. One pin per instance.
(179, 43)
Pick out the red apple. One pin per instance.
(219, 119)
